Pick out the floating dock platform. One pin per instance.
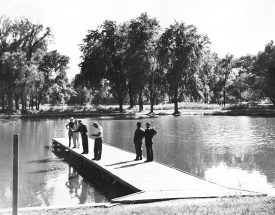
(137, 181)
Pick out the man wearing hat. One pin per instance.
(70, 127)
(83, 131)
(149, 133)
(98, 141)
(138, 136)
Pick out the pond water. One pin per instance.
(235, 152)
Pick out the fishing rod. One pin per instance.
(156, 127)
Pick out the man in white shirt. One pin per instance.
(98, 141)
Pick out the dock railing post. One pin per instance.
(15, 175)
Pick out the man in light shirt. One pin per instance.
(98, 141)
(70, 127)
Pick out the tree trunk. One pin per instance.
(81, 100)
(23, 102)
(216, 98)
(16, 100)
(120, 106)
(176, 111)
(206, 98)
(224, 97)
(119, 96)
(3, 102)
(120, 100)
(35, 103)
(131, 97)
(9, 98)
(31, 102)
(152, 98)
(140, 99)
(152, 104)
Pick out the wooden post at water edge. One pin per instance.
(15, 175)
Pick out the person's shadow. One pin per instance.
(130, 165)
(119, 163)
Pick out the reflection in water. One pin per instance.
(73, 182)
(81, 189)
(233, 151)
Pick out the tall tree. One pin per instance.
(243, 87)
(142, 35)
(103, 54)
(5, 35)
(32, 38)
(81, 87)
(180, 48)
(205, 74)
(24, 39)
(227, 66)
(263, 72)
(53, 69)
(156, 87)
(12, 65)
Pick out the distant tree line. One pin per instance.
(138, 62)
(135, 62)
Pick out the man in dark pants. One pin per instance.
(83, 131)
(70, 127)
(98, 141)
(138, 136)
(149, 133)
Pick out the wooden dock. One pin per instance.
(143, 182)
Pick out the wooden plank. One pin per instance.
(155, 180)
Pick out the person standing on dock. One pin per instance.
(83, 131)
(149, 133)
(70, 127)
(138, 136)
(76, 134)
(98, 141)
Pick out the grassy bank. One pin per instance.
(247, 112)
(114, 108)
(185, 108)
(220, 206)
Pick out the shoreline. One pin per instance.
(226, 206)
(145, 113)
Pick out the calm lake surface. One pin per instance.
(235, 152)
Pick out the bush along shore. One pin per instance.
(185, 108)
(211, 206)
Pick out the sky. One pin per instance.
(237, 27)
